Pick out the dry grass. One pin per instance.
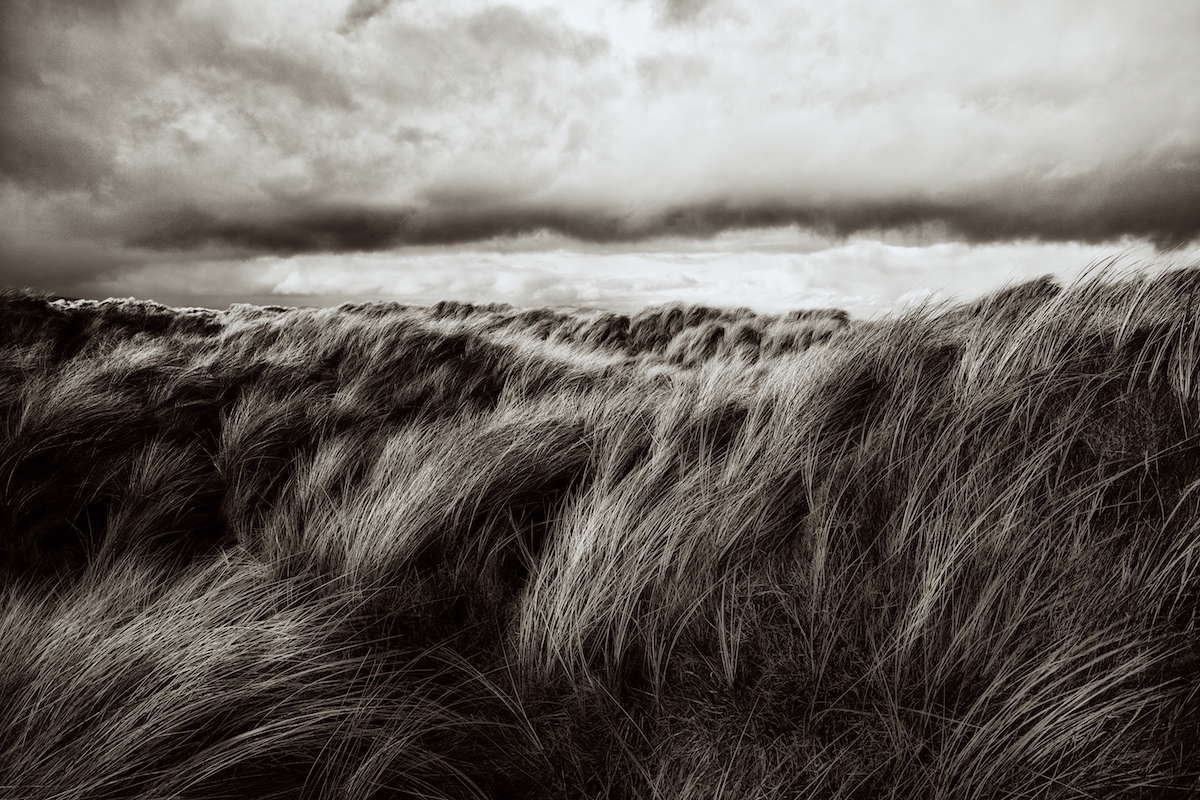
(383, 551)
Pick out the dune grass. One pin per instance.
(478, 551)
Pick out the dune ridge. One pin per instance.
(480, 551)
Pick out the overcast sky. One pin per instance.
(775, 154)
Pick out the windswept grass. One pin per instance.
(477, 551)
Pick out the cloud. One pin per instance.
(678, 11)
(138, 131)
(1160, 203)
(360, 12)
(768, 270)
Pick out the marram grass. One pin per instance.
(476, 551)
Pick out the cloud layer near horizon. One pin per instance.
(137, 132)
(770, 271)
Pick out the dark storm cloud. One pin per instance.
(357, 229)
(48, 156)
(1161, 204)
(52, 130)
(360, 12)
(36, 147)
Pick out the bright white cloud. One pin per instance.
(753, 269)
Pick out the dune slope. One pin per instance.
(384, 551)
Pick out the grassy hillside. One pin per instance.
(383, 551)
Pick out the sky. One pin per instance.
(606, 153)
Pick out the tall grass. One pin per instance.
(478, 551)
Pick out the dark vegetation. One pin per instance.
(382, 551)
